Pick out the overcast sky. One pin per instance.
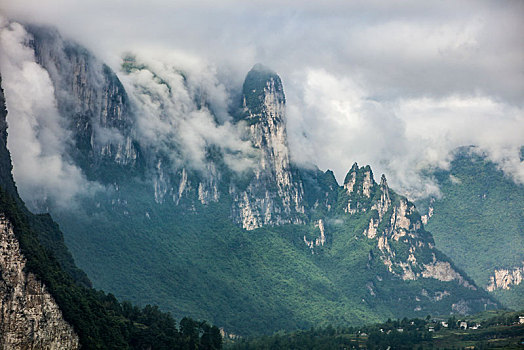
(394, 84)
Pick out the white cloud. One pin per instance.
(395, 84)
(183, 109)
(37, 136)
(400, 137)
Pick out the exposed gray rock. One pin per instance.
(406, 248)
(93, 99)
(274, 196)
(29, 316)
(506, 278)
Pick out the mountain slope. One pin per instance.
(478, 222)
(46, 300)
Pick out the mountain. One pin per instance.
(30, 315)
(478, 223)
(46, 302)
(263, 103)
(266, 246)
(95, 101)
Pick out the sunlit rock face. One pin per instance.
(405, 247)
(506, 278)
(274, 196)
(29, 316)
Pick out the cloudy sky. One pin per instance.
(396, 84)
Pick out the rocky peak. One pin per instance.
(262, 91)
(360, 186)
(384, 202)
(275, 195)
(264, 110)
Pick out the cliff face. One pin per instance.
(274, 196)
(405, 247)
(506, 278)
(93, 100)
(29, 316)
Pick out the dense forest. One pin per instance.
(101, 321)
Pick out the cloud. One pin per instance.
(339, 123)
(182, 110)
(395, 84)
(37, 135)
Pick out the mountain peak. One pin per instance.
(261, 87)
(383, 181)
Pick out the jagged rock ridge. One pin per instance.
(405, 247)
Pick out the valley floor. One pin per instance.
(488, 330)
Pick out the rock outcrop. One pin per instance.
(506, 278)
(274, 196)
(320, 240)
(29, 316)
(92, 99)
(405, 247)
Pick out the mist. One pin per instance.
(397, 86)
(182, 110)
(38, 136)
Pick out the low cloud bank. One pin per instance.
(337, 122)
(182, 110)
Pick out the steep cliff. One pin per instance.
(94, 102)
(506, 278)
(30, 317)
(274, 196)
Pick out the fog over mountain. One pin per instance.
(397, 87)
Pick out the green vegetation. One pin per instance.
(499, 331)
(98, 318)
(479, 221)
(190, 259)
